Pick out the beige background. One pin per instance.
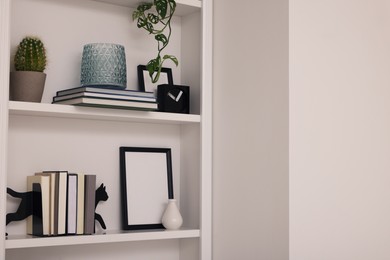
(250, 130)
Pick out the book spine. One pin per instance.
(71, 210)
(62, 191)
(37, 219)
(56, 202)
(38, 190)
(52, 201)
(80, 203)
(104, 91)
(52, 198)
(104, 96)
(89, 213)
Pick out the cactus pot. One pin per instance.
(27, 86)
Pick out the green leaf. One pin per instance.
(154, 68)
(153, 18)
(153, 65)
(149, 27)
(136, 15)
(141, 22)
(172, 58)
(161, 7)
(161, 38)
(172, 4)
(144, 6)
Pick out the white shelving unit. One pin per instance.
(44, 136)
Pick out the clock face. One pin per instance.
(176, 100)
(173, 98)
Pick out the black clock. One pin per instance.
(173, 98)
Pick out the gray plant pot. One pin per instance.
(27, 86)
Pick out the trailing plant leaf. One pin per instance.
(153, 18)
(161, 38)
(154, 69)
(152, 65)
(161, 7)
(172, 4)
(141, 23)
(136, 14)
(172, 58)
(149, 28)
(144, 7)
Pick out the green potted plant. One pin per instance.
(157, 21)
(28, 80)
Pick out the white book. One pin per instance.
(52, 208)
(62, 194)
(102, 95)
(80, 203)
(109, 103)
(71, 204)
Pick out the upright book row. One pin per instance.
(63, 203)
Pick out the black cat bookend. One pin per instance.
(100, 195)
(30, 198)
(25, 209)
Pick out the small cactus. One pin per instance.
(30, 55)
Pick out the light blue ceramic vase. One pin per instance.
(104, 65)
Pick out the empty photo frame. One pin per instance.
(145, 83)
(146, 186)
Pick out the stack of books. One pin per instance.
(63, 203)
(109, 98)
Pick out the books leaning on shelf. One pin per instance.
(63, 203)
(108, 98)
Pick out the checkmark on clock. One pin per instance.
(179, 96)
(171, 96)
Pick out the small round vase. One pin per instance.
(172, 218)
(104, 65)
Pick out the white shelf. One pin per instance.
(26, 241)
(183, 7)
(68, 111)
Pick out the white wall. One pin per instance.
(339, 130)
(250, 130)
(4, 81)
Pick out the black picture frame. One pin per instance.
(146, 186)
(145, 83)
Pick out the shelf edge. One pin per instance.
(184, 7)
(109, 237)
(68, 111)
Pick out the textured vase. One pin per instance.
(27, 86)
(172, 218)
(103, 65)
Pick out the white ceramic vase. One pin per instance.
(172, 218)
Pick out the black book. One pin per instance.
(105, 91)
(37, 219)
(89, 205)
